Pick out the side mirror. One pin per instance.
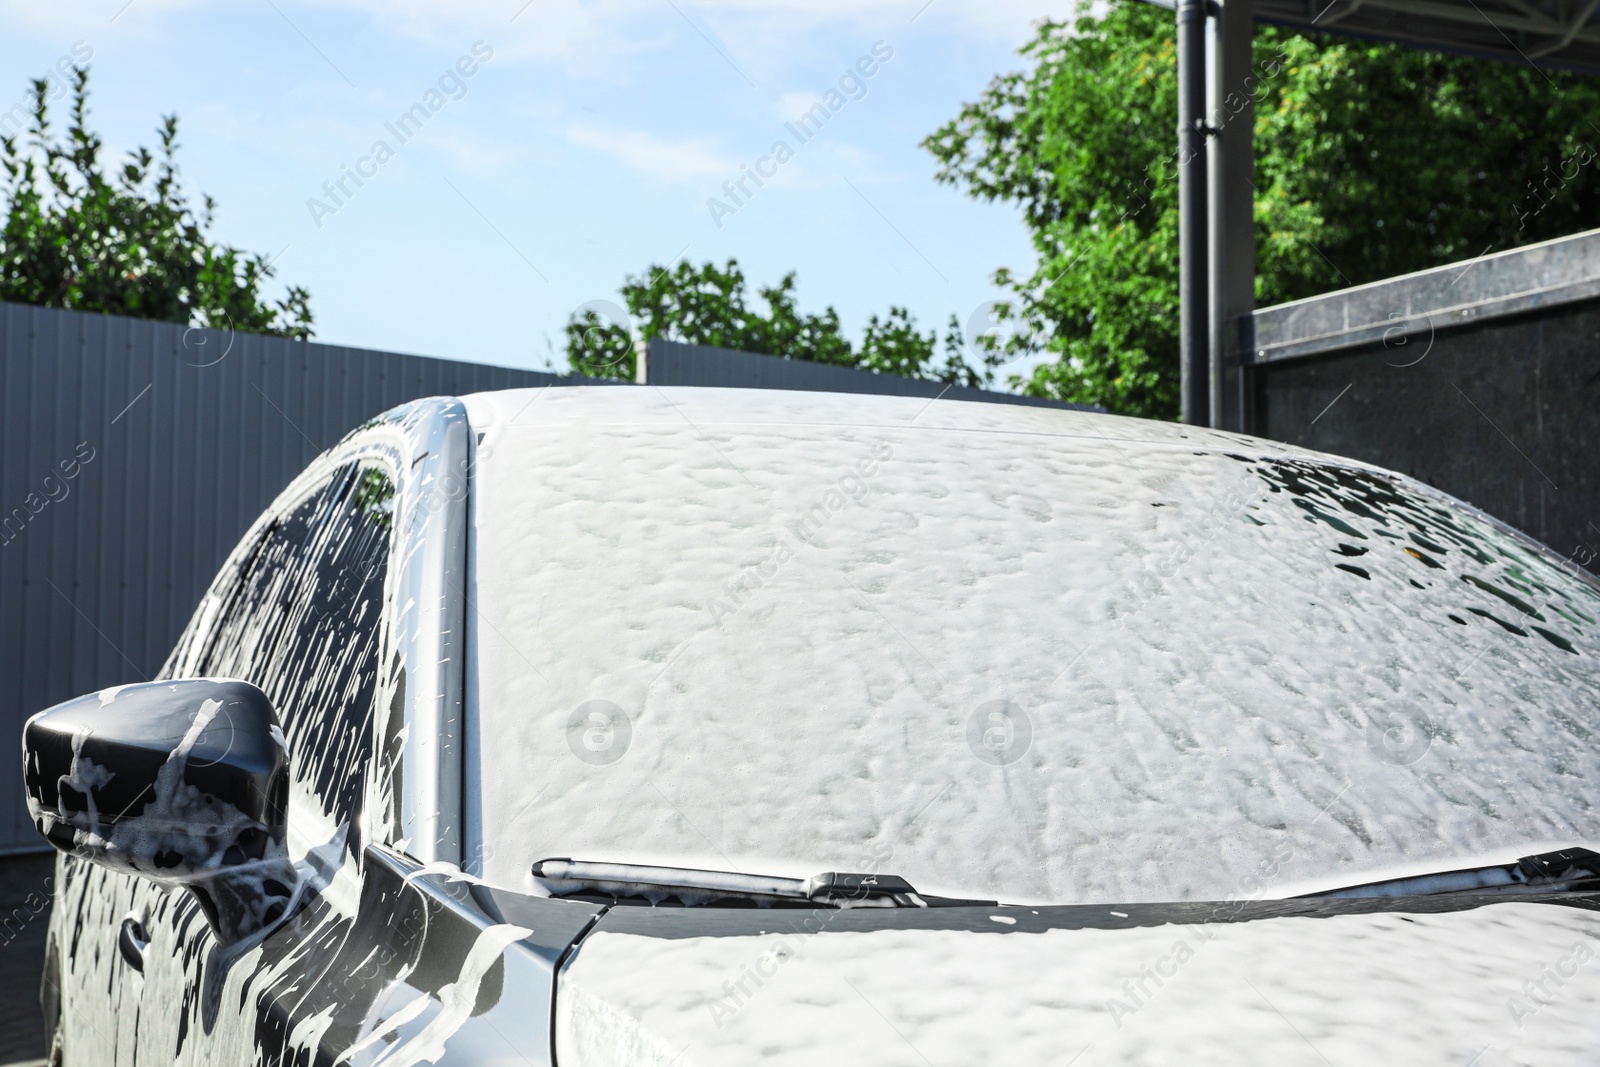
(183, 782)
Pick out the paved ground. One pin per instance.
(24, 917)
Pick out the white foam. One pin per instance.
(806, 605)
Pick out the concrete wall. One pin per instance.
(1479, 378)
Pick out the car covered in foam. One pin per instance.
(636, 725)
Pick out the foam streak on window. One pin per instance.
(302, 623)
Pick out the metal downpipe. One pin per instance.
(1194, 258)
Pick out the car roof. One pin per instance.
(558, 405)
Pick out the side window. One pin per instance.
(302, 623)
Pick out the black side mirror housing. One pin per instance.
(184, 782)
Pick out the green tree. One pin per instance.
(128, 244)
(1371, 160)
(710, 305)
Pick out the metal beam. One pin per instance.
(1579, 20)
(1467, 15)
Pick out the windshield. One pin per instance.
(1010, 654)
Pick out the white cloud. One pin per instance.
(564, 24)
(896, 16)
(475, 154)
(792, 104)
(679, 160)
(571, 27)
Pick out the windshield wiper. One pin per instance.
(569, 877)
(1570, 870)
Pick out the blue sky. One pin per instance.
(584, 145)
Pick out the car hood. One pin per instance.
(1420, 980)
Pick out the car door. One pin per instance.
(303, 623)
(301, 618)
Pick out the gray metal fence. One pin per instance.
(674, 363)
(135, 455)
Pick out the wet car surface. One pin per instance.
(701, 726)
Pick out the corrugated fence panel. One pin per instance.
(188, 435)
(672, 363)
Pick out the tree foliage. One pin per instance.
(710, 305)
(1371, 160)
(127, 243)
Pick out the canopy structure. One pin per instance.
(1563, 34)
(1216, 88)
